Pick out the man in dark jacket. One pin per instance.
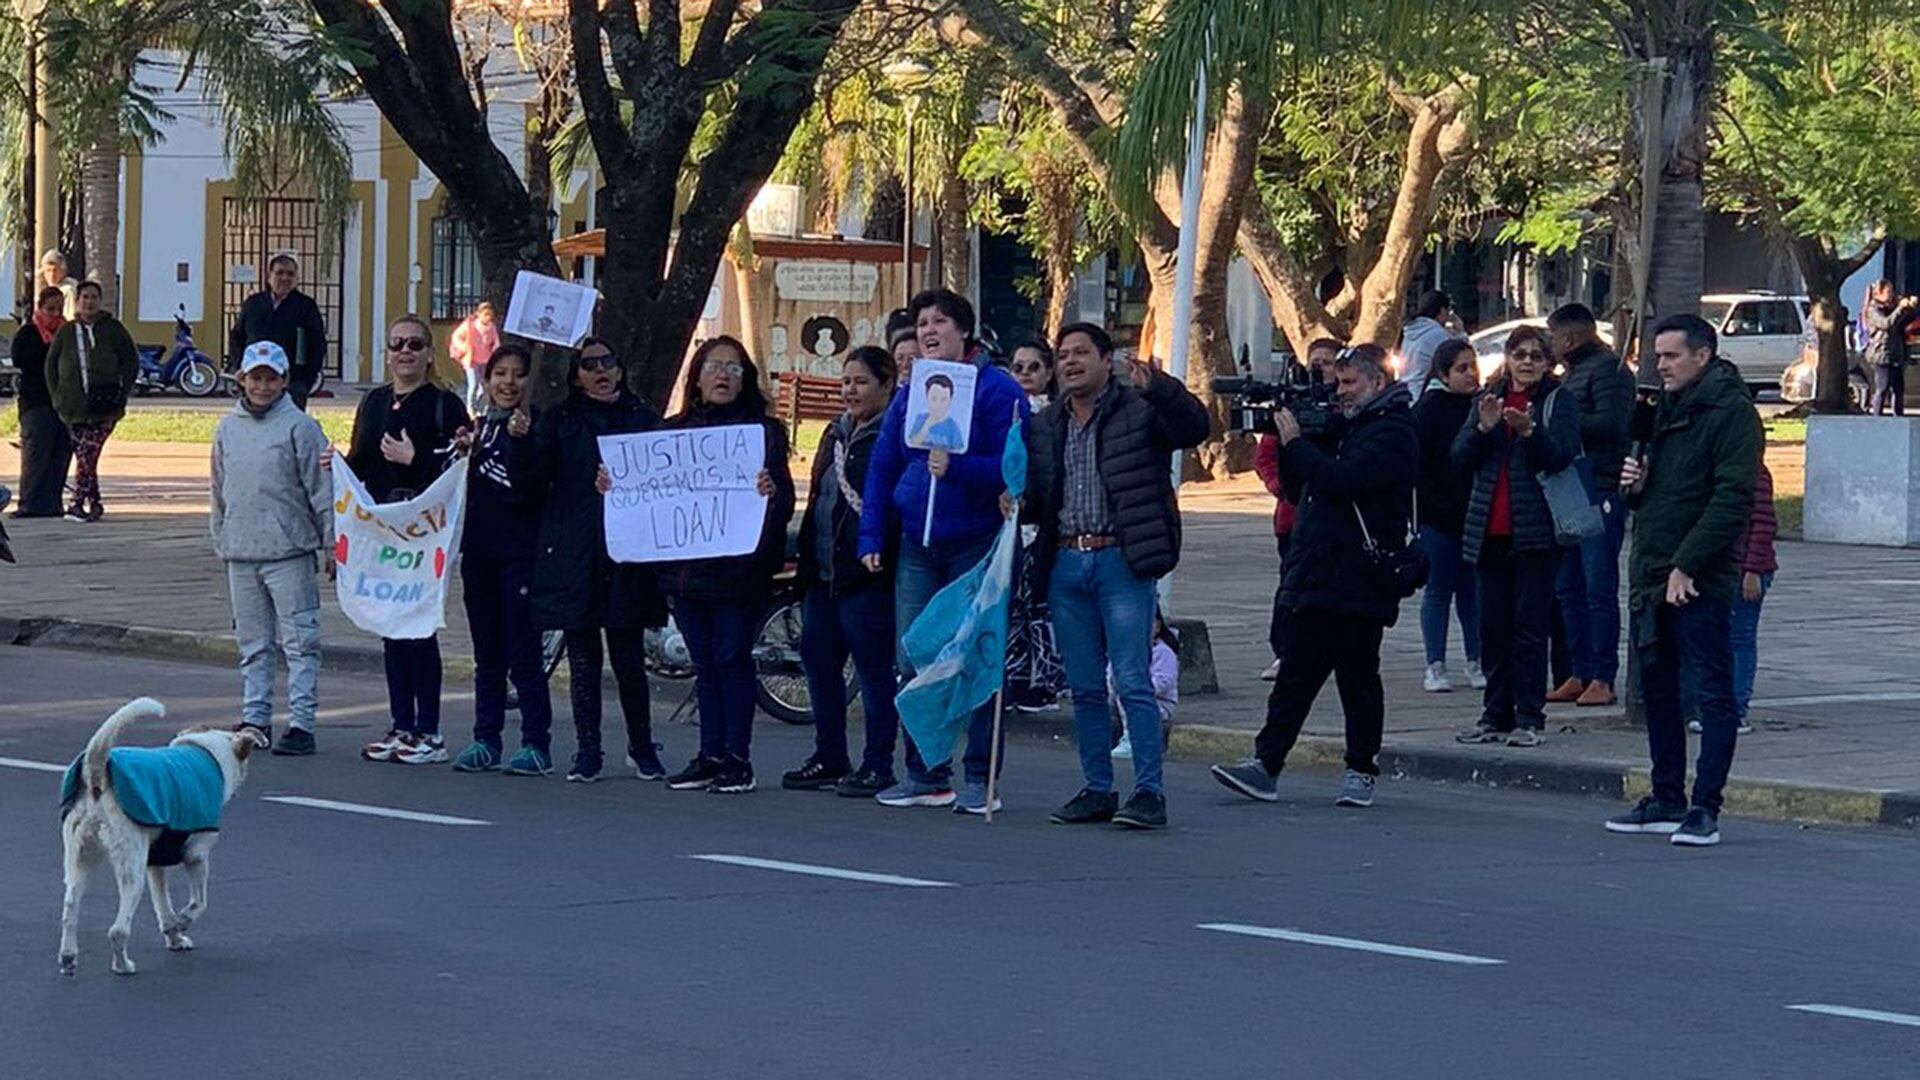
(1691, 496)
(289, 318)
(1588, 589)
(1101, 480)
(1338, 602)
(1886, 350)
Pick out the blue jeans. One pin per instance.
(1449, 585)
(1589, 597)
(1746, 646)
(922, 572)
(1103, 614)
(857, 624)
(1698, 640)
(720, 637)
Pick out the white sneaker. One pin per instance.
(382, 749)
(1124, 751)
(1272, 672)
(422, 750)
(1476, 677)
(1435, 681)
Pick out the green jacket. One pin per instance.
(112, 358)
(1692, 510)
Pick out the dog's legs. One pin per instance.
(128, 862)
(197, 868)
(76, 887)
(171, 925)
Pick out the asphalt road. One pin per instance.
(575, 933)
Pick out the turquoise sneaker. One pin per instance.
(478, 757)
(530, 761)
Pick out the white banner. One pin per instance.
(687, 494)
(820, 281)
(393, 559)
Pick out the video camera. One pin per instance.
(1301, 391)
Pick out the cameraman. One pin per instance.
(1337, 601)
(1266, 464)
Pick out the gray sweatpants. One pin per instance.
(277, 604)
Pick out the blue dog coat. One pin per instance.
(177, 789)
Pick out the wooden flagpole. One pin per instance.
(993, 755)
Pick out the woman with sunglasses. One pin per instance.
(403, 436)
(496, 571)
(717, 602)
(1035, 675)
(1519, 428)
(577, 588)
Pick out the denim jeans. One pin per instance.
(857, 624)
(1450, 584)
(922, 572)
(1746, 646)
(1103, 614)
(720, 637)
(1588, 593)
(1889, 389)
(1697, 639)
(413, 683)
(277, 604)
(505, 647)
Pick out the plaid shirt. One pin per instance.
(1083, 507)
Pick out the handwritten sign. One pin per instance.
(393, 559)
(687, 494)
(820, 281)
(549, 309)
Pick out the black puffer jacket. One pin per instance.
(1602, 388)
(1443, 489)
(1136, 433)
(1371, 467)
(575, 585)
(1554, 444)
(848, 573)
(739, 579)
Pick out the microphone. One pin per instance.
(1646, 407)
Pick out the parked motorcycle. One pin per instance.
(186, 367)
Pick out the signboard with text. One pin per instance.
(685, 494)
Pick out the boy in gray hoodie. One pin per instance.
(272, 515)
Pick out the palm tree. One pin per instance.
(255, 62)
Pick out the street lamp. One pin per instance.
(907, 76)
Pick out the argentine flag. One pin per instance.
(958, 645)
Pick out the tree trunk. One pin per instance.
(951, 222)
(1676, 263)
(100, 202)
(1823, 271)
(1441, 135)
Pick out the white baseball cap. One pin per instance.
(264, 354)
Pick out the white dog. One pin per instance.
(143, 810)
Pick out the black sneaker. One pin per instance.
(263, 731)
(864, 784)
(297, 742)
(735, 778)
(585, 768)
(1649, 815)
(699, 774)
(814, 776)
(1249, 778)
(1146, 810)
(1087, 808)
(645, 762)
(1700, 829)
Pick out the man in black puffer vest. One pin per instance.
(1338, 602)
(1100, 487)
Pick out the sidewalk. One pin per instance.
(1836, 703)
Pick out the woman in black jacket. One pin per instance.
(577, 587)
(717, 602)
(496, 573)
(1440, 510)
(1520, 428)
(403, 436)
(849, 610)
(45, 449)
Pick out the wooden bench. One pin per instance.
(808, 397)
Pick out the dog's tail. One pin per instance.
(93, 766)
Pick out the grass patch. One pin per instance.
(1791, 511)
(188, 426)
(1784, 430)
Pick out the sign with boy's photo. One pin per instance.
(940, 405)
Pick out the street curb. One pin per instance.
(1756, 798)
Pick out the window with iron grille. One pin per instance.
(455, 285)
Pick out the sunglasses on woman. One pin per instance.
(603, 362)
(1034, 368)
(723, 367)
(407, 344)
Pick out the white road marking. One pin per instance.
(36, 766)
(824, 871)
(372, 811)
(1301, 937)
(1836, 699)
(1850, 1013)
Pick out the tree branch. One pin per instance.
(599, 106)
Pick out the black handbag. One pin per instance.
(1401, 570)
